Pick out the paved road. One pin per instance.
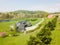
(34, 26)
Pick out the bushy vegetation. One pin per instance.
(56, 34)
(43, 37)
(52, 24)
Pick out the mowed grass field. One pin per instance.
(22, 39)
(56, 35)
(16, 40)
(5, 26)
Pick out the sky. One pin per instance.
(32, 5)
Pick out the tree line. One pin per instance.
(23, 14)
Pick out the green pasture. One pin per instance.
(5, 26)
(22, 39)
(56, 35)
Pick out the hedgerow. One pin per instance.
(44, 36)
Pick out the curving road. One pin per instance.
(35, 26)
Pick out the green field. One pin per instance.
(22, 39)
(56, 35)
(16, 40)
(5, 26)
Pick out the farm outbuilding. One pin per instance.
(50, 16)
(20, 26)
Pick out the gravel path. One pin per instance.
(34, 26)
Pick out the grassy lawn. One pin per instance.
(5, 26)
(17, 40)
(56, 35)
(33, 21)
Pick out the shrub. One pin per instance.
(43, 37)
(35, 41)
(33, 19)
(46, 40)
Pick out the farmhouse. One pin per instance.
(20, 26)
(50, 16)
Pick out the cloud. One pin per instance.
(55, 8)
(48, 8)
